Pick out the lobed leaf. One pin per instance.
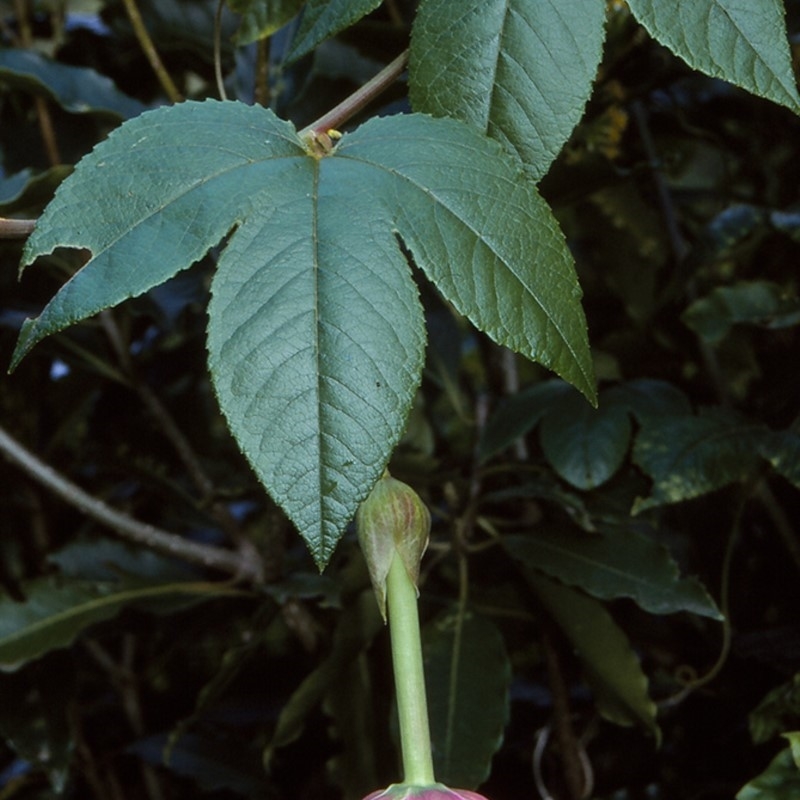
(610, 665)
(467, 675)
(316, 333)
(610, 564)
(743, 42)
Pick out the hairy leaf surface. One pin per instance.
(743, 42)
(520, 70)
(316, 333)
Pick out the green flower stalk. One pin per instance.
(393, 527)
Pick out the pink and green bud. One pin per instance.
(436, 791)
(392, 521)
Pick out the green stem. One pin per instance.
(409, 677)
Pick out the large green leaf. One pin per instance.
(741, 41)
(467, 674)
(688, 456)
(323, 19)
(521, 70)
(613, 563)
(56, 612)
(316, 333)
(79, 90)
(610, 665)
(779, 781)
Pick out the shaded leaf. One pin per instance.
(357, 626)
(612, 563)
(261, 18)
(777, 712)
(315, 332)
(518, 414)
(35, 705)
(213, 762)
(521, 71)
(323, 19)
(610, 665)
(744, 43)
(55, 613)
(585, 445)
(794, 745)
(779, 781)
(467, 675)
(26, 190)
(782, 450)
(750, 302)
(79, 90)
(688, 456)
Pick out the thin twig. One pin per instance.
(569, 745)
(16, 228)
(223, 95)
(150, 52)
(127, 527)
(362, 97)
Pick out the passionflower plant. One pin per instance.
(436, 791)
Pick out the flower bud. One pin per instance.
(392, 521)
(436, 791)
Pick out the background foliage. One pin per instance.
(582, 561)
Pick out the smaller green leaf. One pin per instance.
(56, 612)
(585, 445)
(779, 781)
(467, 675)
(78, 90)
(612, 563)
(744, 43)
(261, 18)
(323, 19)
(760, 303)
(782, 450)
(610, 664)
(688, 456)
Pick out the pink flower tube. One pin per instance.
(436, 791)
